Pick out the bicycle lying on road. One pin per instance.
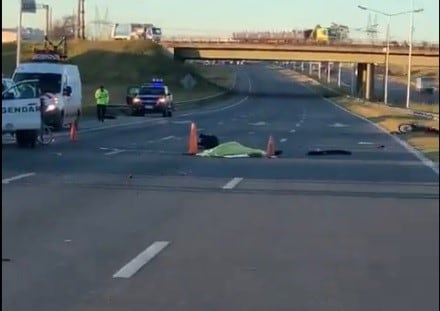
(416, 128)
(45, 136)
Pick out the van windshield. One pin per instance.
(48, 82)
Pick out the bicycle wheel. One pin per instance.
(46, 136)
(405, 128)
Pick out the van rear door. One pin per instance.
(21, 114)
(21, 107)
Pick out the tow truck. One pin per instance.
(152, 97)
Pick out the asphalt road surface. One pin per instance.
(396, 89)
(121, 220)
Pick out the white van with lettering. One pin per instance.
(60, 85)
(21, 114)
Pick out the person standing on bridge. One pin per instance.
(102, 98)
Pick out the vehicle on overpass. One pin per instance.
(320, 35)
(136, 31)
(153, 97)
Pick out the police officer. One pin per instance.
(102, 98)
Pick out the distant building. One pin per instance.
(27, 34)
(9, 36)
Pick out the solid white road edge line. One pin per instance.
(241, 101)
(152, 122)
(232, 183)
(140, 260)
(419, 155)
(21, 176)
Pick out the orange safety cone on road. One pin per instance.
(73, 132)
(192, 143)
(270, 149)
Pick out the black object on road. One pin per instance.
(328, 152)
(208, 141)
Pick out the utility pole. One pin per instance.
(50, 20)
(78, 21)
(46, 30)
(83, 21)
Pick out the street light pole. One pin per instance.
(387, 62)
(20, 22)
(46, 29)
(410, 43)
(387, 56)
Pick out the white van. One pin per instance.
(21, 114)
(61, 84)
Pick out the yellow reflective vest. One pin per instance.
(102, 97)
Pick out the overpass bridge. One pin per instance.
(366, 56)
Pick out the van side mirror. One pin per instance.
(67, 91)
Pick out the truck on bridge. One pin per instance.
(321, 35)
(136, 31)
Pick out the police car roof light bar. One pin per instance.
(157, 82)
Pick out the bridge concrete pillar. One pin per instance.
(369, 82)
(319, 71)
(360, 79)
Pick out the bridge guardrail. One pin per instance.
(354, 43)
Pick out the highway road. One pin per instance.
(121, 220)
(396, 89)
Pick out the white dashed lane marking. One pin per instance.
(232, 183)
(14, 178)
(140, 260)
(167, 138)
(115, 151)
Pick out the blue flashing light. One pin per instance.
(157, 82)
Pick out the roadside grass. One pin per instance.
(416, 71)
(120, 64)
(387, 117)
(399, 72)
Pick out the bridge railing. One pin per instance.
(283, 41)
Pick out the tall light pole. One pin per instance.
(387, 52)
(410, 46)
(25, 6)
(20, 23)
(46, 27)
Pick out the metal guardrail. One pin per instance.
(426, 115)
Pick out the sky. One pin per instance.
(218, 18)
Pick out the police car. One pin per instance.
(153, 97)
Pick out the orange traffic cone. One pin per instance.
(192, 143)
(270, 149)
(73, 132)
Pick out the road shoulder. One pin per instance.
(424, 146)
